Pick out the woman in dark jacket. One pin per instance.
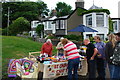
(109, 49)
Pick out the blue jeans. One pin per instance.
(111, 70)
(91, 69)
(73, 64)
(116, 72)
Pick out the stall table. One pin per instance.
(54, 70)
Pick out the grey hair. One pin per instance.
(87, 39)
(49, 40)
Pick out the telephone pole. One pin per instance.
(8, 20)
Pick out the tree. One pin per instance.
(40, 30)
(29, 10)
(63, 9)
(110, 25)
(19, 25)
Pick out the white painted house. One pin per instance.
(60, 26)
(34, 25)
(49, 25)
(97, 21)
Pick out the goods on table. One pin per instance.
(49, 60)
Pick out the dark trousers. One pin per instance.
(91, 69)
(101, 68)
(73, 65)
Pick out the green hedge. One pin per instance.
(74, 37)
(93, 10)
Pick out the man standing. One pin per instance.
(100, 57)
(91, 59)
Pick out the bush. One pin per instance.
(74, 37)
(4, 31)
(51, 36)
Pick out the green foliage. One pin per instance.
(4, 31)
(0, 31)
(110, 25)
(74, 37)
(29, 10)
(19, 25)
(95, 10)
(51, 36)
(39, 29)
(80, 11)
(63, 9)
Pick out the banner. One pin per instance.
(55, 70)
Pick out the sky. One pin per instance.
(112, 5)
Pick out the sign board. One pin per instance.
(55, 70)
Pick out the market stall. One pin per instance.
(51, 67)
(58, 69)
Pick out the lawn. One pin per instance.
(16, 48)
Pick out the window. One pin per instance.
(62, 24)
(89, 20)
(49, 25)
(101, 36)
(57, 24)
(35, 24)
(46, 25)
(100, 20)
(115, 25)
(88, 35)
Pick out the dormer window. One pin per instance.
(99, 20)
(89, 20)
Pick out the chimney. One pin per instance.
(54, 12)
(79, 3)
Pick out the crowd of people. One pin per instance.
(99, 56)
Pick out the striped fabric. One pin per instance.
(71, 50)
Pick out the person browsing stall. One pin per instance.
(60, 48)
(91, 53)
(70, 50)
(47, 48)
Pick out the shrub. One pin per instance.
(74, 37)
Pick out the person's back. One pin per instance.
(71, 50)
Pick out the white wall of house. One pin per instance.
(33, 33)
(50, 25)
(34, 24)
(96, 21)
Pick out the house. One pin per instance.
(116, 25)
(34, 24)
(96, 19)
(61, 25)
